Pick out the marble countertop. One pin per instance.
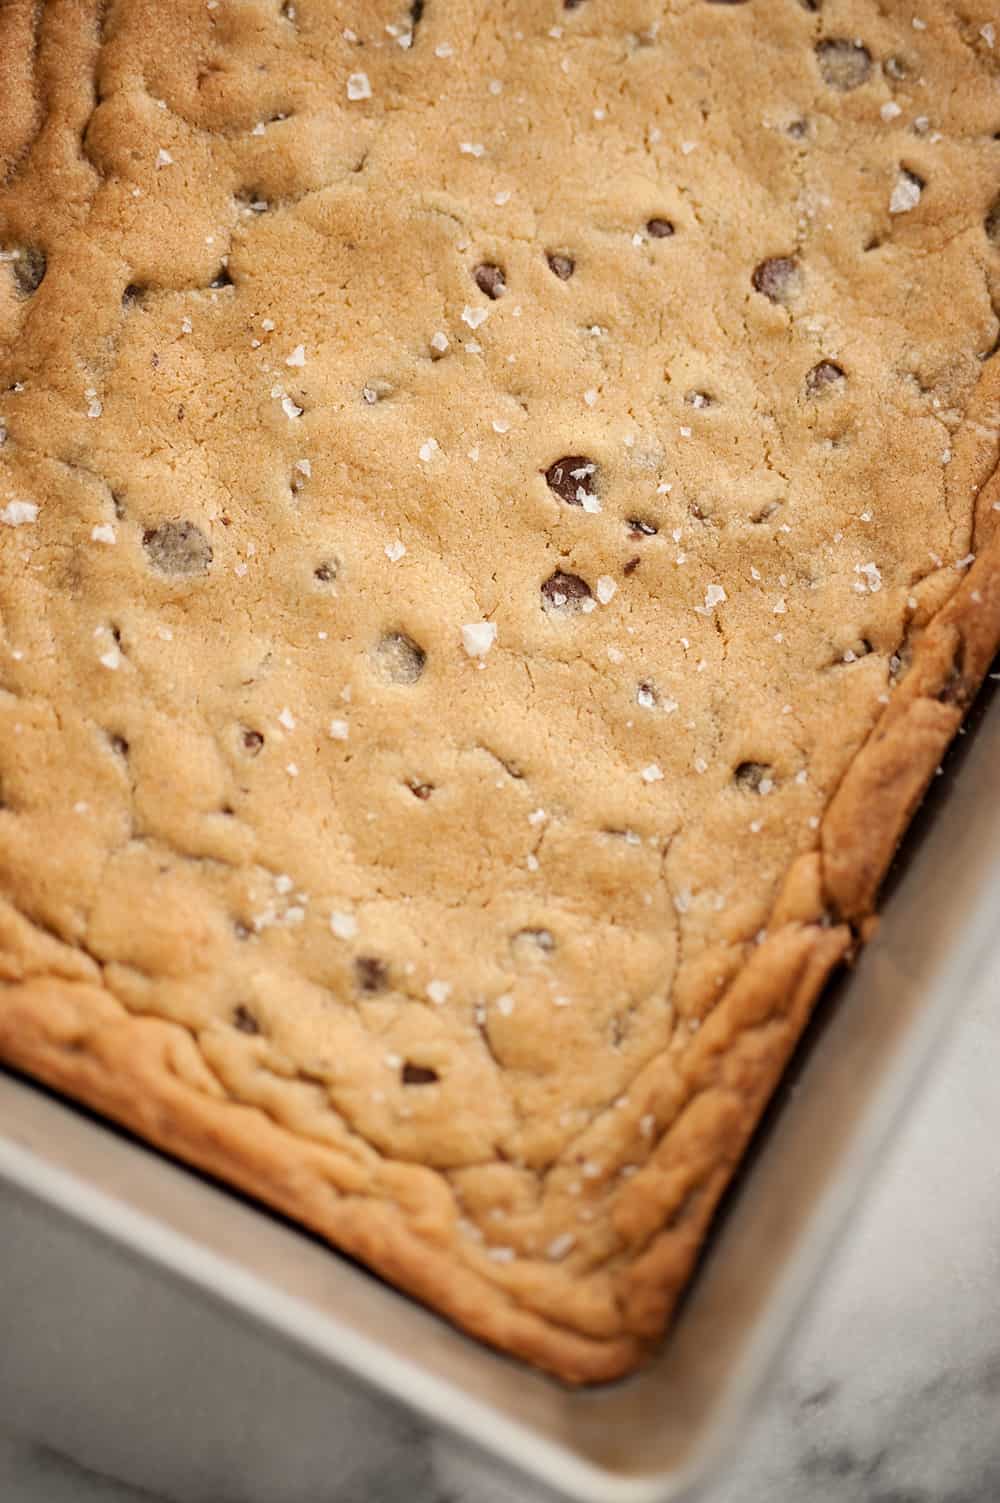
(890, 1394)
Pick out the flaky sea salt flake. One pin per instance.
(343, 925)
(478, 637)
(18, 513)
(358, 86)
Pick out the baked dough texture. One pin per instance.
(497, 529)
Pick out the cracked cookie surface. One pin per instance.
(496, 531)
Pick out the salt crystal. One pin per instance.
(104, 533)
(890, 110)
(652, 774)
(474, 316)
(906, 193)
(111, 659)
(163, 159)
(338, 730)
(606, 588)
(478, 637)
(287, 719)
(471, 148)
(297, 357)
(289, 408)
(17, 513)
(428, 449)
(343, 925)
(714, 595)
(358, 86)
(394, 551)
(560, 1246)
(439, 342)
(439, 992)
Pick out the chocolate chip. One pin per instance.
(843, 64)
(28, 267)
(822, 376)
(573, 478)
(490, 279)
(420, 790)
(991, 223)
(751, 775)
(640, 528)
(177, 547)
(418, 1074)
(372, 973)
(660, 229)
(631, 565)
(564, 592)
(562, 266)
(244, 1020)
(398, 658)
(252, 742)
(779, 278)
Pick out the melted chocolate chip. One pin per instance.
(244, 1020)
(750, 775)
(372, 974)
(660, 229)
(221, 278)
(119, 745)
(398, 658)
(822, 376)
(573, 478)
(843, 64)
(418, 1074)
(177, 548)
(420, 790)
(779, 278)
(564, 592)
(991, 224)
(490, 279)
(562, 266)
(133, 295)
(252, 742)
(326, 572)
(28, 267)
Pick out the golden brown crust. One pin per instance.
(550, 1188)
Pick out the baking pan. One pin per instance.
(655, 1436)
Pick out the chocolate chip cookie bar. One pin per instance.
(498, 518)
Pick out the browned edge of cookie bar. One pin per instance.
(148, 1074)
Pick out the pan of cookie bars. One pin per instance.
(107, 1220)
(488, 573)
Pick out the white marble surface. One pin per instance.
(891, 1394)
